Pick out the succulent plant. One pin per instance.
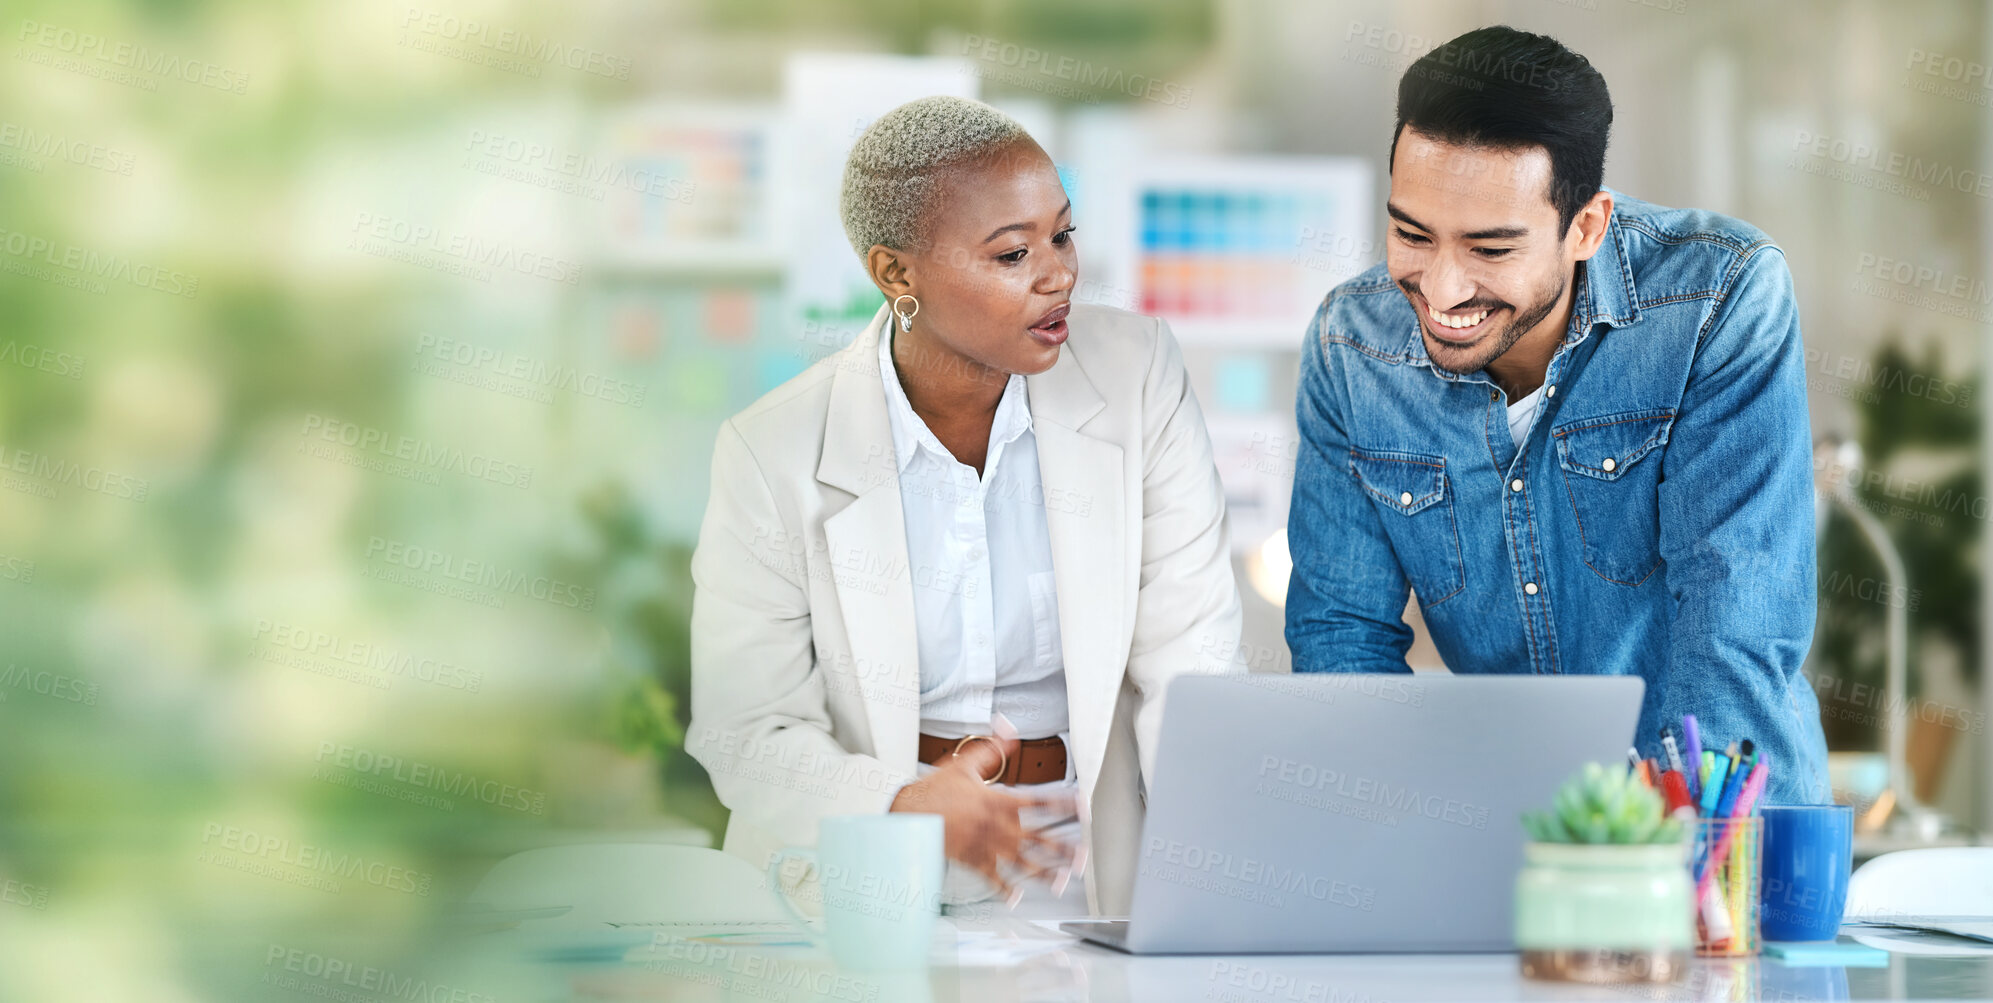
(1603, 804)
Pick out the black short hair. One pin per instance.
(1506, 88)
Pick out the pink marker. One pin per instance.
(1754, 785)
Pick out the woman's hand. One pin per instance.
(980, 824)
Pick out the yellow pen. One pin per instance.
(1740, 885)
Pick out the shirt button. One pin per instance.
(1529, 587)
(1515, 485)
(1607, 464)
(1550, 391)
(1405, 499)
(976, 553)
(1494, 395)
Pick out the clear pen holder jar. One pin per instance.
(1725, 865)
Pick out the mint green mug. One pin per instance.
(880, 881)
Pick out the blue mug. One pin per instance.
(1808, 854)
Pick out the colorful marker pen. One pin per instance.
(1712, 785)
(1676, 789)
(1692, 751)
(1674, 751)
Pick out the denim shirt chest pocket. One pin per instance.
(1414, 499)
(1612, 470)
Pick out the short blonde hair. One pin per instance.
(894, 175)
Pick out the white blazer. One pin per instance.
(805, 672)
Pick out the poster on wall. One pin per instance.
(695, 192)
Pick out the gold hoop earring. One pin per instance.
(905, 316)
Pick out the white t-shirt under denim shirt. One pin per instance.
(985, 606)
(1522, 414)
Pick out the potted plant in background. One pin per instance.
(620, 765)
(1604, 894)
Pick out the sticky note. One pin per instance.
(1813, 954)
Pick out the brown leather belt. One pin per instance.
(1038, 760)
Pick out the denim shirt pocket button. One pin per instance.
(1411, 493)
(1612, 467)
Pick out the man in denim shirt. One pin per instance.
(1572, 422)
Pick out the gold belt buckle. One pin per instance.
(1002, 764)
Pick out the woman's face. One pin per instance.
(995, 278)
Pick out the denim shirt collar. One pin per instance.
(1606, 295)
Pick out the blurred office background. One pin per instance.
(360, 366)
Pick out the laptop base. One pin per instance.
(1105, 932)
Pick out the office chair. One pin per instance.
(1937, 881)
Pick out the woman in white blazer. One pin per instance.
(994, 512)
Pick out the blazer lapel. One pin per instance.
(1086, 515)
(867, 544)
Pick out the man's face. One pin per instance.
(1474, 245)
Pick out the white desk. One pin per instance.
(1078, 971)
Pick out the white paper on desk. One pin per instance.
(559, 942)
(987, 948)
(1972, 927)
(1918, 942)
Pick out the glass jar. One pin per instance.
(1725, 866)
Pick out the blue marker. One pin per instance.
(1712, 788)
(1735, 785)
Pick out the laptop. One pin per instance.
(1354, 812)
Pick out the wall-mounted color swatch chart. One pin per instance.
(1229, 250)
(1219, 252)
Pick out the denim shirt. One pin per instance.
(1656, 520)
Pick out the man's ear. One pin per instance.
(889, 271)
(1589, 225)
